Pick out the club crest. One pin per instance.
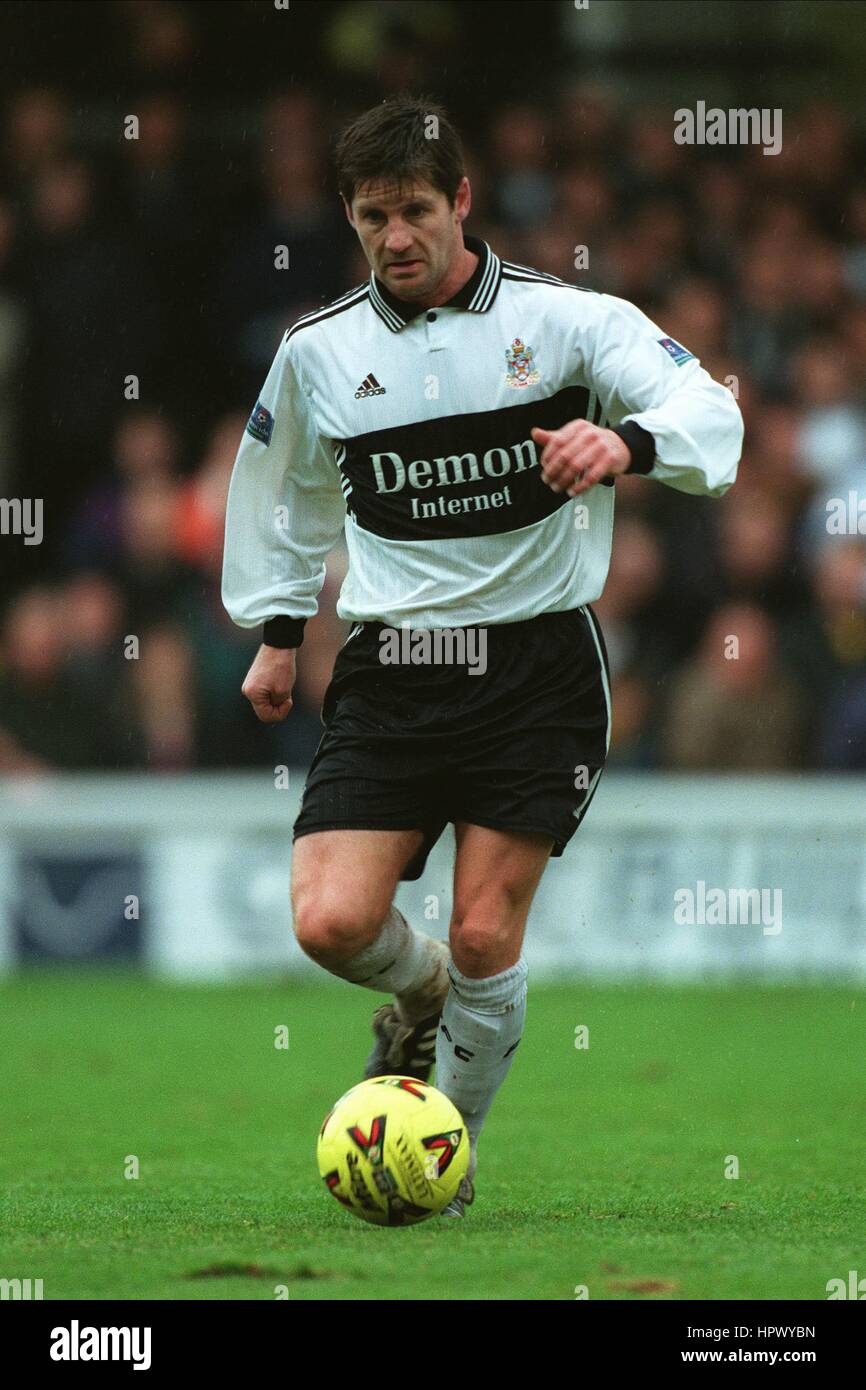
(520, 362)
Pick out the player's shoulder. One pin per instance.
(596, 307)
(330, 317)
(516, 274)
(560, 301)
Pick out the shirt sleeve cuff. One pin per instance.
(283, 632)
(642, 446)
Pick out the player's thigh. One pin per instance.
(496, 873)
(343, 881)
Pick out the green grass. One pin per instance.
(602, 1167)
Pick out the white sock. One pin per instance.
(408, 964)
(482, 1023)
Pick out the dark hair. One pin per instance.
(391, 142)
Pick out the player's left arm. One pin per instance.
(671, 420)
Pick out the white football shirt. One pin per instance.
(411, 429)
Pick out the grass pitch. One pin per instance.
(601, 1167)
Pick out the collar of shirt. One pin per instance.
(477, 294)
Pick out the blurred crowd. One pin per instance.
(139, 312)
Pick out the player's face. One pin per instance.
(411, 237)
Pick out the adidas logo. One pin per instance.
(369, 387)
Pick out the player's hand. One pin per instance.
(579, 455)
(269, 683)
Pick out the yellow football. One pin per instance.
(393, 1150)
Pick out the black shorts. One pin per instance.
(520, 747)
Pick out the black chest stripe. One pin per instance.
(461, 475)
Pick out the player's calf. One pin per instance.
(412, 967)
(481, 1027)
(359, 937)
(483, 1016)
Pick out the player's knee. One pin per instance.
(475, 944)
(326, 928)
(487, 929)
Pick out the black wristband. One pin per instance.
(283, 632)
(641, 444)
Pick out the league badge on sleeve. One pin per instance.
(261, 424)
(676, 350)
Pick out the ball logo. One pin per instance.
(442, 1147)
(371, 1145)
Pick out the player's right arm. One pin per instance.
(270, 681)
(284, 513)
